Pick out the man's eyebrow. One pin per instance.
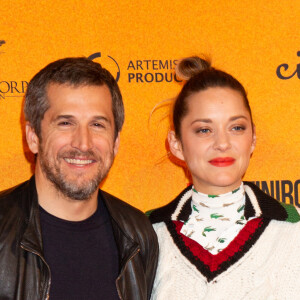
(59, 117)
(101, 118)
(68, 117)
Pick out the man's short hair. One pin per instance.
(75, 71)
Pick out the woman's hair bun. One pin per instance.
(190, 66)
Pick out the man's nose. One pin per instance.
(82, 139)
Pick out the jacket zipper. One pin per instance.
(130, 258)
(49, 281)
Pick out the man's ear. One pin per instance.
(117, 144)
(175, 145)
(253, 138)
(32, 139)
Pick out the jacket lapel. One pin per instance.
(126, 245)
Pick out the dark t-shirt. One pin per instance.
(82, 256)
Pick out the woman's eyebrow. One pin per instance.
(202, 120)
(238, 117)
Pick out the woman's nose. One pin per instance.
(222, 142)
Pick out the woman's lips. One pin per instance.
(222, 161)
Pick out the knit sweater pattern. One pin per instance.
(262, 262)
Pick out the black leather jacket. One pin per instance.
(24, 273)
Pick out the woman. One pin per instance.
(221, 238)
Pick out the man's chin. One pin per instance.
(76, 188)
(76, 192)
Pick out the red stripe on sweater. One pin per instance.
(214, 261)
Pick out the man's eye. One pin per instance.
(64, 123)
(100, 125)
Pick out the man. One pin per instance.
(60, 236)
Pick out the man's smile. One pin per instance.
(76, 161)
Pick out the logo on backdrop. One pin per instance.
(286, 191)
(2, 42)
(108, 63)
(12, 89)
(152, 70)
(141, 70)
(285, 71)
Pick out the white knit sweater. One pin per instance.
(268, 269)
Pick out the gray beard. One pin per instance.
(71, 189)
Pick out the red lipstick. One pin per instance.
(222, 161)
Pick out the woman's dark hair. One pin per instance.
(200, 75)
(74, 71)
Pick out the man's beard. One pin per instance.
(71, 188)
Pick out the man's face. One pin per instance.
(77, 145)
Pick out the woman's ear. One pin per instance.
(32, 139)
(253, 138)
(175, 145)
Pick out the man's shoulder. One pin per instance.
(12, 195)
(14, 209)
(16, 202)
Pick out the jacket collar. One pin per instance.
(258, 204)
(32, 237)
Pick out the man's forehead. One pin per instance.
(86, 97)
(66, 89)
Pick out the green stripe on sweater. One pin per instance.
(148, 213)
(293, 215)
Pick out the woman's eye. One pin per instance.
(203, 130)
(238, 128)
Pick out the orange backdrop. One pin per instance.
(140, 42)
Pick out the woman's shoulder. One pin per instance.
(178, 209)
(260, 204)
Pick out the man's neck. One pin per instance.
(57, 204)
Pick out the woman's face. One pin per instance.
(217, 139)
